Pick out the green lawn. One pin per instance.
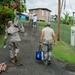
(61, 51)
(1, 40)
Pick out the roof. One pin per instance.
(22, 14)
(40, 8)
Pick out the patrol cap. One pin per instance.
(48, 24)
(9, 22)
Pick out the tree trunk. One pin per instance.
(15, 11)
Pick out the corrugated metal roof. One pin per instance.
(40, 8)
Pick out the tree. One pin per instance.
(70, 20)
(14, 3)
(6, 14)
(6, 6)
(66, 19)
(20, 7)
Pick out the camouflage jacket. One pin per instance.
(13, 34)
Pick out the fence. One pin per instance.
(65, 33)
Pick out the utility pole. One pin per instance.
(58, 35)
(73, 17)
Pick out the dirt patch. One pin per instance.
(67, 66)
(70, 67)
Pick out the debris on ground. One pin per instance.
(3, 67)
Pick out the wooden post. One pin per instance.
(58, 35)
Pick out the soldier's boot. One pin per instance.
(12, 60)
(16, 57)
(49, 62)
(45, 62)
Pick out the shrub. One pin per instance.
(6, 14)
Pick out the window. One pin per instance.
(42, 12)
(34, 12)
(47, 13)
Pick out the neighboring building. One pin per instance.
(43, 14)
(22, 17)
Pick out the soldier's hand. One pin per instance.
(4, 46)
(40, 47)
(54, 44)
(40, 43)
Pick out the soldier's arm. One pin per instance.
(41, 37)
(54, 38)
(5, 38)
(21, 28)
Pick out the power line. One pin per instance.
(63, 3)
(70, 5)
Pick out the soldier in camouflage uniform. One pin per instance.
(46, 39)
(12, 32)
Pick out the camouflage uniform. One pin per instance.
(14, 38)
(47, 49)
(47, 38)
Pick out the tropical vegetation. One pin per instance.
(67, 19)
(8, 10)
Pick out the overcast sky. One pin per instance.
(51, 4)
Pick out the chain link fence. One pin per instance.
(65, 33)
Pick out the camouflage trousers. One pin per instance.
(47, 49)
(13, 47)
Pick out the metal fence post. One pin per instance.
(74, 40)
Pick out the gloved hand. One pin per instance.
(4, 43)
(4, 46)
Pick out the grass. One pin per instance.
(61, 51)
(1, 40)
(65, 31)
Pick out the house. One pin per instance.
(43, 14)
